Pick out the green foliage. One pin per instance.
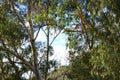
(93, 47)
(10, 30)
(80, 67)
(102, 60)
(11, 35)
(17, 39)
(99, 43)
(21, 1)
(59, 74)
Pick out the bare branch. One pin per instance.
(41, 58)
(55, 37)
(37, 33)
(79, 13)
(29, 19)
(69, 30)
(44, 31)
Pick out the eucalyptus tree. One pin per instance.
(93, 43)
(10, 37)
(20, 24)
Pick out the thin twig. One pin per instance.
(37, 33)
(69, 30)
(55, 37)
(44, 31)
(41, 58)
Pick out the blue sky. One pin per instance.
(60, 52)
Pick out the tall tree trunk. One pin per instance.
(36, 66)
(32, 41)
(48, 35)
(47, 56)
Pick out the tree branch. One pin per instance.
(44, 31)
(69, 30)
(37, 33)
(19, 57)
(32, 41)
(55, 37)
(21, 20)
